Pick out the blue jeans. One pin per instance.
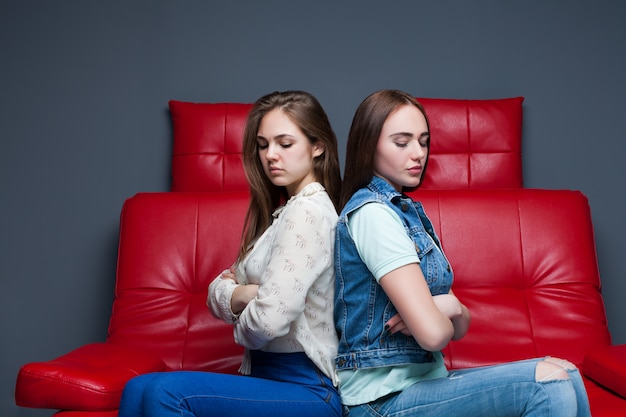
(281, 384)
(502, 390)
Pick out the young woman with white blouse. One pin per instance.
(279, 294)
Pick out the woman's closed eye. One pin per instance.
(261, 143)
(401, 139)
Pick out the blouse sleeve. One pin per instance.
(220, 294)
(300, 252)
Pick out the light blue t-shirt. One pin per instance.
(380, 239)
(383, 245)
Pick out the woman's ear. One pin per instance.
(318, 149)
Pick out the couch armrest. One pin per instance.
(89, 378)
(606, 365)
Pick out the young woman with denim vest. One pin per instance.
(279, 294)
(394, 307)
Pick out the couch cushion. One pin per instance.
(528, 275)
(91, 377)
(207, 146)
(607, 366)
(603, 402)
(475, 144)
(171, 247)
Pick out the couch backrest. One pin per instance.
(524, 263)
(475, 144)
(206, 153)
(171, 246)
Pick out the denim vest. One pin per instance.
(361, 306)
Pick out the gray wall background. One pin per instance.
(84, 121)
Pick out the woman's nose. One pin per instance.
(417, 151)
(270, 155)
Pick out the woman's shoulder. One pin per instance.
(375, 213)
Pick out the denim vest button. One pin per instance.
(404, 207)
(417, 248)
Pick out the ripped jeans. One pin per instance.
(508, 389)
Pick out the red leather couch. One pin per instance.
(524, 260)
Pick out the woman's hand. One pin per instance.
(449, 305)
(229, 274)
(460, 321)
(396, 324)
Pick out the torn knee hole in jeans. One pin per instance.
(563, 363)
(552, 369)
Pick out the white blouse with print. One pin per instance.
(292, 262)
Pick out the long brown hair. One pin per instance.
(306, 112)
(367, 125)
